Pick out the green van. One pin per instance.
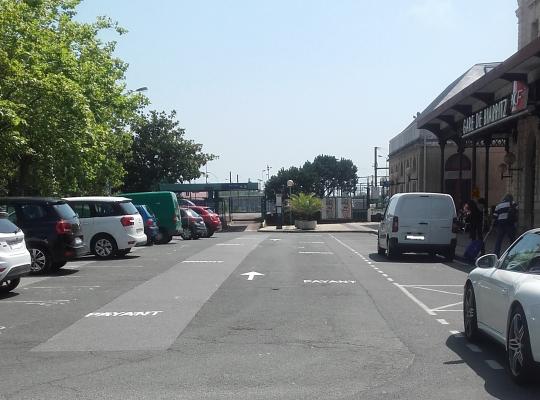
(165, 207)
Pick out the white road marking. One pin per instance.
(442, 321)
(445, 308)
(494, 365)
(436, 290)
(229, 244)
(60, 287)
(123, 314)
(315, 252)
(344, 244)
(327, 281)
(201, 262)
(421, 284)
(457, 334)
(380, 272)
(275, 240)
(390, 279)
(311, 242)
(418, 302)
(45, 303)
(113, 266)
(474, 348)
(252, 275)
(385, 275)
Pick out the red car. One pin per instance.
(211, 219)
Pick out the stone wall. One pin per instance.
(528, 14)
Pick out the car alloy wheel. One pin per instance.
(103, 248)
(39, 260)
(520, 362)
(470, 321)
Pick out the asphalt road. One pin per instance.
(320, 317)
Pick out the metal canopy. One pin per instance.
(208, 187)
(442, 120)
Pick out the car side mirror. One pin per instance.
(487, 261)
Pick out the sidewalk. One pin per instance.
(350, 227)
(463, 240)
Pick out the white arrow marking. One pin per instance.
(275, 240)
(252, 274)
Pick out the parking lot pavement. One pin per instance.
(435, 288)
(248, 316)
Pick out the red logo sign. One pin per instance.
(520, 96)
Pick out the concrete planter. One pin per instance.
(305, 225)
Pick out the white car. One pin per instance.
(420, 223)
(15, 259)
(110, 225)
(502, 299)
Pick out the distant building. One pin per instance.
(528, 14)
(415, 154)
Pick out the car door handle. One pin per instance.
(422, 223)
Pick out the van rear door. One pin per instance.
(442, 213)
(414, 220)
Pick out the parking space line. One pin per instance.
(413, 298)
(442, 321)
(444, 308)
(436, 290)
(315, 252)
(457, 334)
(494, 365)
(390, 279)
(474, 348)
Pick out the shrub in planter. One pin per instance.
(305, 208)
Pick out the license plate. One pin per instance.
(415, 237)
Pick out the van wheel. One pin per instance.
(391, 251)
(163, 236)
(380, 250)
(8, 286)
(103, 246)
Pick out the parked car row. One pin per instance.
(40, 235)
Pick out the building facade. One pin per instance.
(528, 14)
(415, 155)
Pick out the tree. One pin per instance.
(160, 153)
(64, 110)
(325, 176)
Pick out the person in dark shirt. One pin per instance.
(504, 220)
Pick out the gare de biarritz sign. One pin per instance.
(502, 109)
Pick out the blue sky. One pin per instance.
(279, 82)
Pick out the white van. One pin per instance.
(111, 225)
(419, 223)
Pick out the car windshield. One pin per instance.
(64, 211)
(128, 208)
(192, 213)
(6, 226)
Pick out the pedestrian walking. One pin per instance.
(474, 220)
(504, 221)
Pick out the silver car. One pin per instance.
(15, 259)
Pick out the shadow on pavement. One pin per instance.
(411, 258)
(9, 295)
(496, 382)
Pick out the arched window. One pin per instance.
(452, 163)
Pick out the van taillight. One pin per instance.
(395, 224)
(455, 225)
(63, 227)
(127, 221)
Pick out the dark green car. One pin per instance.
(165, 207)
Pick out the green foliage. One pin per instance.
(305, 206)
(325, 176)
(64, 110)
(161, 154)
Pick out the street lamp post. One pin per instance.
(290, 184)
